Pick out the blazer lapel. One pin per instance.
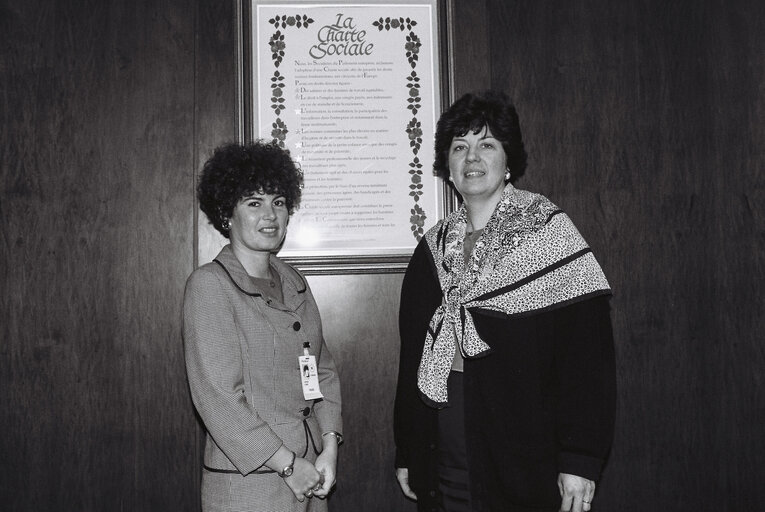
(236, 272)
(293, 284)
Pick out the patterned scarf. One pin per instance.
(530, 257)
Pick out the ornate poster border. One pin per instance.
(411, 45)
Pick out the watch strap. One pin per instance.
(287, 470)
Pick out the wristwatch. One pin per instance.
(287, 471)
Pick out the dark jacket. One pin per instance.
(541, 402)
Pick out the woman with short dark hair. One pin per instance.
(247, 317)
(506, 388)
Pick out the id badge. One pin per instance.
(309, 376)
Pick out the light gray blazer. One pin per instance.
(242, 364)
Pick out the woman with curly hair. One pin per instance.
(505, 398)
(250, 323)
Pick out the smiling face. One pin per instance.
(477, 166)
(259, 223)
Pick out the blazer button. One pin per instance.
(306, 411)
(296, 326)
(432, 494)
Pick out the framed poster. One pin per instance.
(353, 91)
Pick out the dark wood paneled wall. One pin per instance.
(215, 122)
(646, 122)
(97, 155)
(360, 318)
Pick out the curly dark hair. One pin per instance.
(235, 171)
(474, 112)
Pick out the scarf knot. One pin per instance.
(528, 257)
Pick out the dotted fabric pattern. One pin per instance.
(530, 257)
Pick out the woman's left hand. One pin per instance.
(326, 464)
(576, 493)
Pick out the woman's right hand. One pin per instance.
(402, 475)
(304, 479)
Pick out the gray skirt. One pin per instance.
(229, 491)
(232, 492)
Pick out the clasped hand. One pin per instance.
(309, 480)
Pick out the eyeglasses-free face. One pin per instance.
(477, 166)
(259, 223)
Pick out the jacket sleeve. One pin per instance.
(420, 296)
(214, 367)
(586, 378)
(328, 410)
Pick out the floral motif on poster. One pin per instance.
(411, 48)
(412, 45)
(278, 46)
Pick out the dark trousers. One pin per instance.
(453, 481)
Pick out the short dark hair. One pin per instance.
(473, 112)
(235, 171)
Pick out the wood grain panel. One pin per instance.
(644, 121)
(360, 319)
(215, 123)
(97, 243)
(736, 254)
(470, 60)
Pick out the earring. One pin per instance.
(226, 225)
(507, 175)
